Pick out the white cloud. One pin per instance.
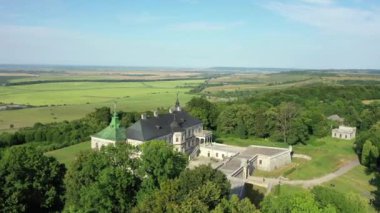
(330, 17)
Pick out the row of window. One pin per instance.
(216, 154)
(340, 135)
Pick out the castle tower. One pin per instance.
(177, 105)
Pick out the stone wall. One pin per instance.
(269, 163)
(209, 151)
(97, 143)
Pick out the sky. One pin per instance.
(316, 34)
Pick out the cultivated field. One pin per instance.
(72, 100)
(272, 81)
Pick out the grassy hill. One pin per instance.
(67, 155)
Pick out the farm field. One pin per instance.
(265, 82)
(67, 155)
(63, 74)
(88, 92)
(68, 101)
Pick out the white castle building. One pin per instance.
(177, 127)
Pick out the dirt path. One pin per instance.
(305, 183)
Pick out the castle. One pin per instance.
(177, 127)
(187, 135)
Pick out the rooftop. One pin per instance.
(335, 117)
(161, 125)
(113, 131)
(345, 129)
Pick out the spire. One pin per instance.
(114, 108)
(177, 105)
(115, 123)
(177, 102)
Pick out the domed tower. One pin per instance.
(112, 134)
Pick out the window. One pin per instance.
(334, 134)
(208, 154)
(340, 135)
(222, 155)
(176, 139)
(216, 154)
(345, 136)
(260, 162)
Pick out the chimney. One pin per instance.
(155, 113)
(143, 116)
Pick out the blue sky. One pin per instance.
(192, 33)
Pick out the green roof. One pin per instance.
(113, 131)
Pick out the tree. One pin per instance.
(160, 162)
(369, 155)
(231, 116)
(345, 203)
(297, 203)
(286, 112)
(191, 179)
(263, 122)
(203, 109)
(298, 132)
(30, 181)
(241, 130)
(114, 191)
(105, 181)
(128, 118)
(197, 190)
(234, 205)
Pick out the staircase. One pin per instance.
(194, 153)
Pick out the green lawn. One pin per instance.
(77, 99)
(327, 154)
(355, 181)
(67, 155)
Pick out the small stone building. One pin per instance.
(112, 134)
(266, 158)
(344, 132)
(336, 118)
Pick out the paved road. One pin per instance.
(305, 183)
